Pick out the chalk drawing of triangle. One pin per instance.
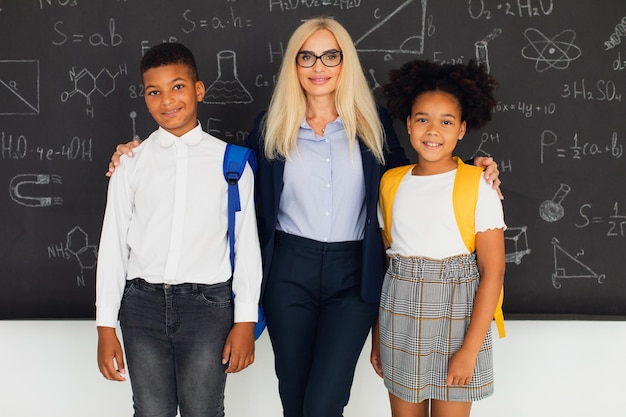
(19, 87)
(387, 36)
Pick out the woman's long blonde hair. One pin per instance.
(354, 101)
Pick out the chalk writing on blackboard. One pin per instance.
(227, 88)
(568, 266)
(529, 8)
(77, 247)
(605, 90)
(615, 222)
(19, 87)
(580, 147)
(556, 52)
(33, 190)
(222, 22)
(411, 45)
(552, 210)
(482, 50)
(112, 39)
(86, 83)
(486, 138)
(516, 244)
(17, 147)
(616, 37)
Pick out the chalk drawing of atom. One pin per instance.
(555, 53)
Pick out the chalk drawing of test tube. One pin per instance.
(33, 179)
(482, 52)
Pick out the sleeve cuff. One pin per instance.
(246, 312)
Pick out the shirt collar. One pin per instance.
(332, 127)
(191, 138)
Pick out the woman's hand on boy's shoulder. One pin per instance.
(121, 149)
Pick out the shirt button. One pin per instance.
(327, 185)
(327, 214)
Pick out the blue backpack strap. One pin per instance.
(235, 158)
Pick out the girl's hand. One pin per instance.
(492, 174)
(460, 368)
(121, 149)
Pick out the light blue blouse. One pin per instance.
(324, 189)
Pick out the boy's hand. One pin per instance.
(121, 149)
(492, 175)
(239, 347)
(110, 354)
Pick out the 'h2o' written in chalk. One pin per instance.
(18, 147)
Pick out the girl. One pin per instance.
(444, 229)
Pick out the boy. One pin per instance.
(163, 261)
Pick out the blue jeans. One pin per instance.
(174, 336)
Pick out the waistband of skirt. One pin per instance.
(458, 260)
(287, 239)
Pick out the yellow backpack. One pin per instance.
(464, 199)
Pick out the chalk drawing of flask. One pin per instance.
(552, 210)
(227, 89)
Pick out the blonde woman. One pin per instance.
(323, 146)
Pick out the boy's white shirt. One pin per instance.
(166, 221)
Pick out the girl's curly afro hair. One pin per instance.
(470, 83)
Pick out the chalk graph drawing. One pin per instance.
(552, 210)
(397, 38)
(515, 244)
(19, 87)
(227, 89)
(568, 266)
(32, 183)
(556, 52)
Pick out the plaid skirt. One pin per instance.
(425, 310)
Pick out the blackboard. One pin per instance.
(70, 90)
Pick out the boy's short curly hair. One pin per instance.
(168, 53)
(470, 83)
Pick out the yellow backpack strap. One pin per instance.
(464, 199)
(389, 184)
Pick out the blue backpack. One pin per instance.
(235, 158)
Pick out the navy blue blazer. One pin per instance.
(269, 185)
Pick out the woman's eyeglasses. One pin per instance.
(307, 59)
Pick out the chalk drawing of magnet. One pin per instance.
(30, 183)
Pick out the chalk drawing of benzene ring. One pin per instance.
(574, 268)
(410, 45)
(556, 53)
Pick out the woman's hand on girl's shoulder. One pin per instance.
(121, 149)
